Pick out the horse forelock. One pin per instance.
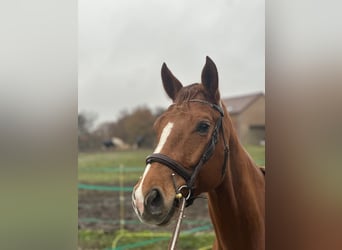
(195, 91)
(189, 92)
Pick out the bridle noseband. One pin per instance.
(208, 152)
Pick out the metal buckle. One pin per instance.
(180, 193)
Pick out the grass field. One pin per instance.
(102, 168)
(90, 239)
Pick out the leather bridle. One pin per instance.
(208, 152)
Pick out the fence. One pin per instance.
(139, 239)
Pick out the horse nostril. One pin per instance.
(154, 202)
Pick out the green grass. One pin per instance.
(98, 239)
(94, 239)
(129, 158)
(257, 153)
(103, 167)
(185, 242)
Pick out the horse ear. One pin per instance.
(210, 79)
(171, 84)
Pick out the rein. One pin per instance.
(190, 178)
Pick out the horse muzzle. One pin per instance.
(152, 208)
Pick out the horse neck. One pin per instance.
(236, 206)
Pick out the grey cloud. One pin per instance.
(122, 45)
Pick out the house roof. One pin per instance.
(237, 104)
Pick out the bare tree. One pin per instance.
(86, 139)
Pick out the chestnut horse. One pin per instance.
(198, 151)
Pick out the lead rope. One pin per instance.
(182, 201)
(173, 241)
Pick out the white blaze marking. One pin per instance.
(139, 197)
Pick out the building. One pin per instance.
(248, 116)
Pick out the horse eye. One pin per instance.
(203, 127)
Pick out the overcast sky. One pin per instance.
(123, 43)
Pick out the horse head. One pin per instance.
(191, 154)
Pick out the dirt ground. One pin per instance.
(101, 210)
